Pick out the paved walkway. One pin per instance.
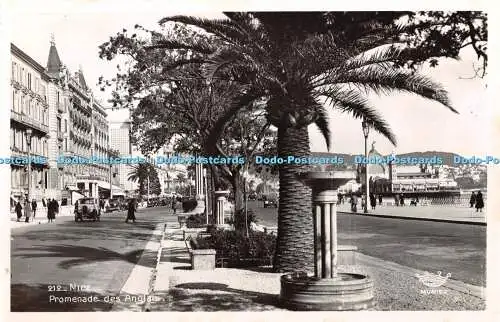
(431, 213)
(41, 217)
(178, 288)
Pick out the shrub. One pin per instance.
(196, 221)
(255, 250)
(188, 205)
(238, 219)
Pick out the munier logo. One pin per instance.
(433, 280)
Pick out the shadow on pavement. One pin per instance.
(82, 255)
(217, 297)
(76, 234)
(175, 255)
(38, 298)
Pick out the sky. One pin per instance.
(419, 124)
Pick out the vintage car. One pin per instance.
(87, 209)
(113, 205)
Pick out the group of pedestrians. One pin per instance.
(30, 208)
(477, 201)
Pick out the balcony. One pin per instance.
(28, 121)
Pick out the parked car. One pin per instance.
(88, 209)
(113, 205)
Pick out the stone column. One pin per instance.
(86, 188)
(219, 209)
(325, 230)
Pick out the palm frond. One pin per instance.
(385, 80)
(223, 28)
(322, 122)
(352, 102)
(198, 46)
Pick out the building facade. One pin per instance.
(29, 125)
(65, 121)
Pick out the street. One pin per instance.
(91, 258)
(459, 249)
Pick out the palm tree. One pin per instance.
(301, 63)
(141, 173)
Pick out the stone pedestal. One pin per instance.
(203, 259)
(327, 289)
(219, 209)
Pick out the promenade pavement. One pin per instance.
(431, 213)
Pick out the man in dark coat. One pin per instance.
(56, 207)
(479, 202)
(373, 201)
(50, 209)
(34, 206)
(380, 200)
(19, 211)
(472, 199)
(131, 211)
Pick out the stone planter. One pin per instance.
(203, 259)
(347, 292)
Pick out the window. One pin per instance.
(29, 81)
(14, 66)
(58, 125)
(65, 126)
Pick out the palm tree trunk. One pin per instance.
(294, 249)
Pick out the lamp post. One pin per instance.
(110, 174)
(29, 135)
(206, 192)
(366, 131)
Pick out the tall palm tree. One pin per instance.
(301, 63)
(140, 173)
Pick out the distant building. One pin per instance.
(120, 140)
(391, 178)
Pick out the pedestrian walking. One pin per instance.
(354, 203)
(373, 201)
(174, 205)
(472, 200)
(27, 210)
(56, 208)
(402, 200)
(19, 210)
(396, 200)
(131, 211)
(380, 200)
(34, 206)
(50, 210)
(479, 202)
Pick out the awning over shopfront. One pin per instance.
(117, 191)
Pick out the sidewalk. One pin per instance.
(41, 217)
(178, 288)
(430, 213)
